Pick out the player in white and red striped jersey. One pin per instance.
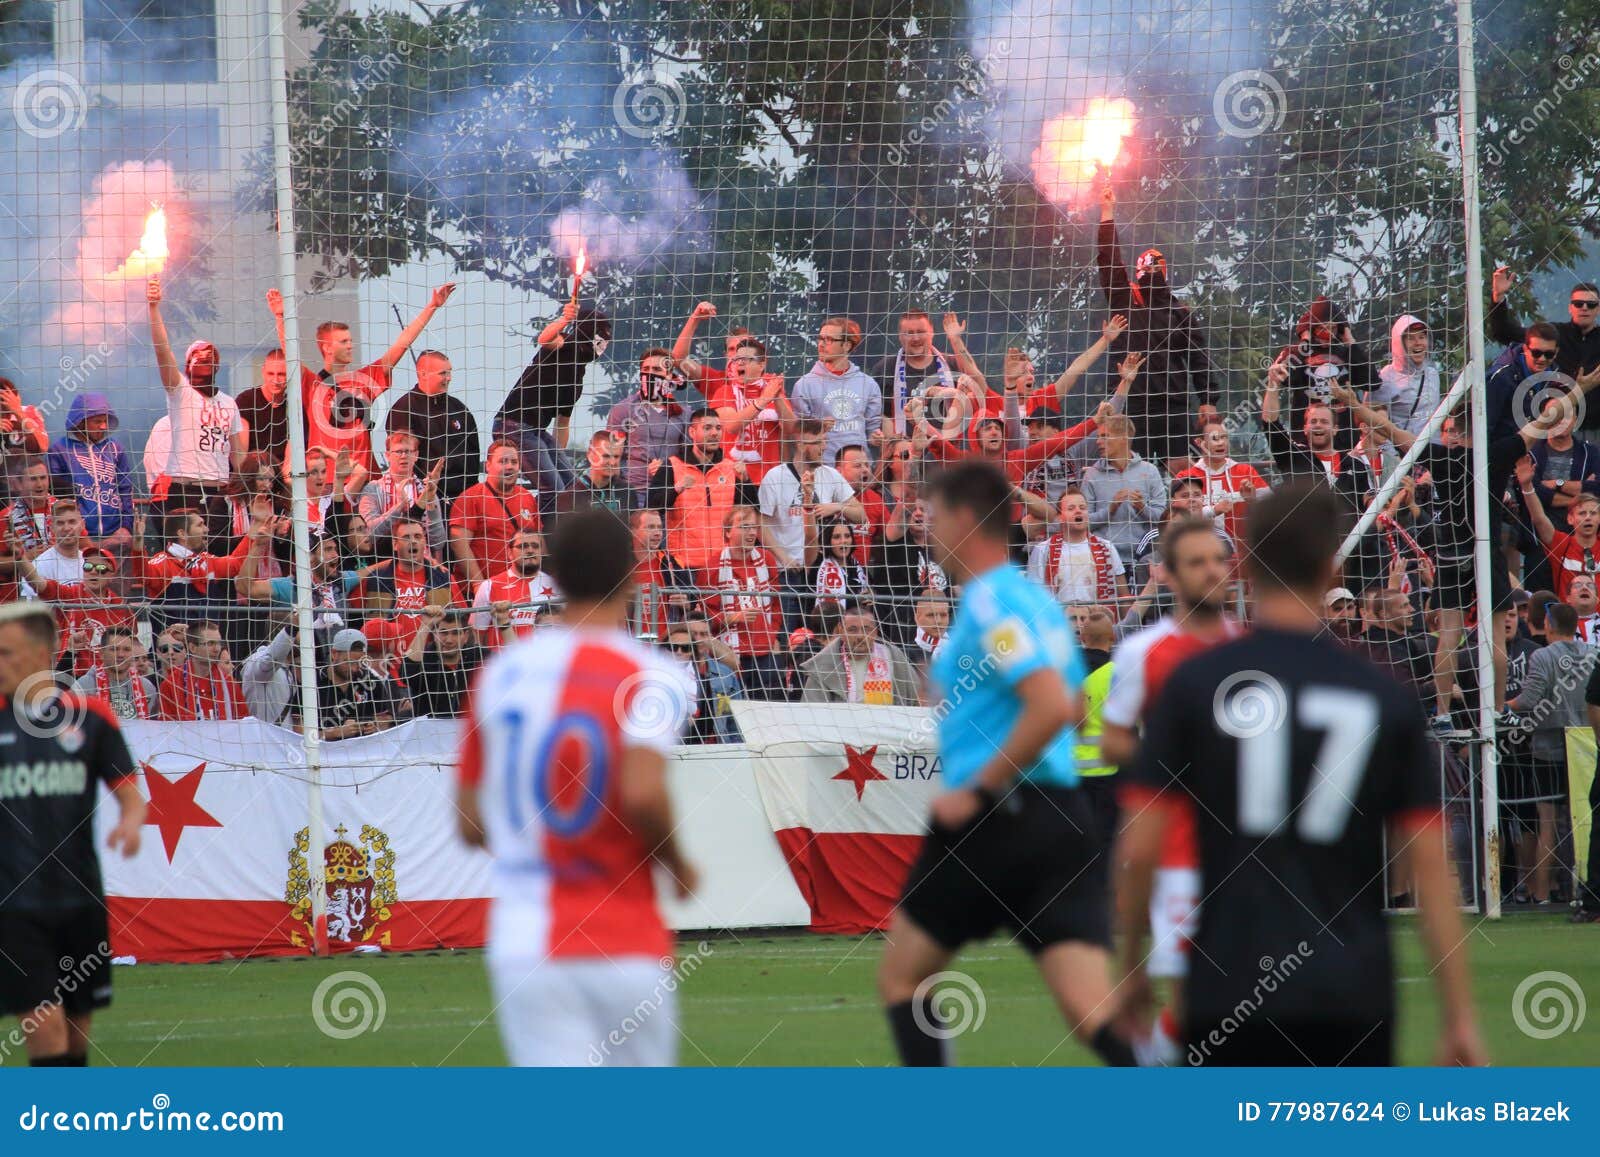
(1196, 569)
(563, 780)
(530, 589)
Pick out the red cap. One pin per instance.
(799, 637)
(381, 632)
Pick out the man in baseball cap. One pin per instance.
(354, 698)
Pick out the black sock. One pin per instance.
(1112, 1049)
(59, 1061)
(917, 1048)
(77, 1060)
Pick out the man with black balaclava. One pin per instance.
(538, 410)
(651, 422)
(1176, 387)
(208, 437)
(1324, 354)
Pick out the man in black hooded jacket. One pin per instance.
(1176, 389)
(1322, 355)
(538, 408)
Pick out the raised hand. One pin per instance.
(274, 302)
(1114, 327)
(1524, 472)
(1128, 368)
(152, 290)
(704, 311)
(442, 294)
(1501, 281)
(1277, 375)
(954, 327)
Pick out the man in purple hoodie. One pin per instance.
(90, 466)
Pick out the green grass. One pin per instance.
(751, 1000)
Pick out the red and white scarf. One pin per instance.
(833, 578)
(1105, 582)
(102, 688)
(878, 686)
(746, 585)
(210, 696)
(1399, 540)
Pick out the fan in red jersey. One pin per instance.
(525, 591)
(1229, 485)
(415, 581)
(563, 780)
(87, 609)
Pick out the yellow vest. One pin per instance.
(1087, 751)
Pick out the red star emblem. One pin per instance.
(858, 768)
(172, 806)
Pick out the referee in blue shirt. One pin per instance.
(1011, 840)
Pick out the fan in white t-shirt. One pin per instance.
(1077, 566)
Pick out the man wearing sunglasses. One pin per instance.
(87, 609)
(1577, 339)
(1536, 354)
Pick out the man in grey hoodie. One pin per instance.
(1126, 493)
(1409, 384)
(836, 391)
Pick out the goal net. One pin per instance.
(1000, 220)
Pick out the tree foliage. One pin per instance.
(832, 156)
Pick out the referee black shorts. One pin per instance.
(54, 958)
(1033, 864)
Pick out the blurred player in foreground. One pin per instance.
(1195, 567)
(1011, 841)
(56, 748)
(1297, 753)
(563, 780)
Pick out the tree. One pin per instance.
(793, 160)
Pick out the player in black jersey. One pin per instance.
(1298, 754)
(56, 748)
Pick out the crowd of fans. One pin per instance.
(782, 542)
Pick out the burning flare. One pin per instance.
(151, 255)
(1071, 148)
(577, 271)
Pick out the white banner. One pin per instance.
(224, 867)
(842, 767)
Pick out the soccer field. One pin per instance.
(783, 999)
